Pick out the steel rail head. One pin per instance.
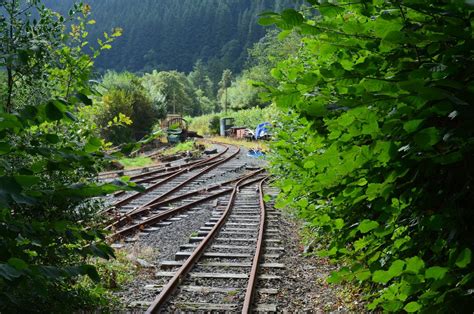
(169, 288)
(173, 175)
(167, 176)
(250, 292)
(115, 222)
(160, 168)
(176, 168)
(165, 215)
(205, 170)
(152, 187)
(172, 212)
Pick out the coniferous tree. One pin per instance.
(175, 34)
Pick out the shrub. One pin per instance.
(125, 95)
(377, 154)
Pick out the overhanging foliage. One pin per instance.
(378, 154)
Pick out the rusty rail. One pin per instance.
(250, 292)
(197, 253)
(172, 212)
(152, 169)
(171, 169)
(172, 176)
(143, 209)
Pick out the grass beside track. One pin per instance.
(137, 162)
(141, 161)
(263, 146)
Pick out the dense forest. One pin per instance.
(219, 32)
(372, 148)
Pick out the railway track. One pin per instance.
(163, 182)
(178, 162)
(170, 194)
(154, 213)
(232, 262)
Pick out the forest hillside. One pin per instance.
(217, 31)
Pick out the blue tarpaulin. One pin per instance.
(262, 130)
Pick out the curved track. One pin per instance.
(225, 262)
(220, 269)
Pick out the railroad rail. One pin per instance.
(148, 217)
(218, 189)
(242, 221)
(141, 172)
(156, 179)
(173, 197)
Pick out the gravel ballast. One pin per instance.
(301, 289)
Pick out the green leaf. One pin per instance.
(373, 85)
(392, 305)
(267, 21)
(27, 181)
(464, 258)
(415, 264)
(427, 137)
(396, 268)
(339, 223)
(384, 27)
(335, 277)
(361, 182)
(309, 164)
(412, 125)
(436, 272)
(91, 271)
(106, 251)
(50, 272)
(84, 99)
(287, 100)
(363, 275)
(93, 145)
(52, 111)
(5, 148)
(381, 276)
(292, 17)
(19, 264)
(52, 138)
(330, 10)
(367, 225)
(9, 122)
(412, 307)
(9, 273)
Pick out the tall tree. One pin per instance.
(224, 84)
(200, 79)
(25, 46)
(175, 89)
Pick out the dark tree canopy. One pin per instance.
(174, 34)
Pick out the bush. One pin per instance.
(49, 160)
(215, 125)
(377, 155)
(124, 94)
